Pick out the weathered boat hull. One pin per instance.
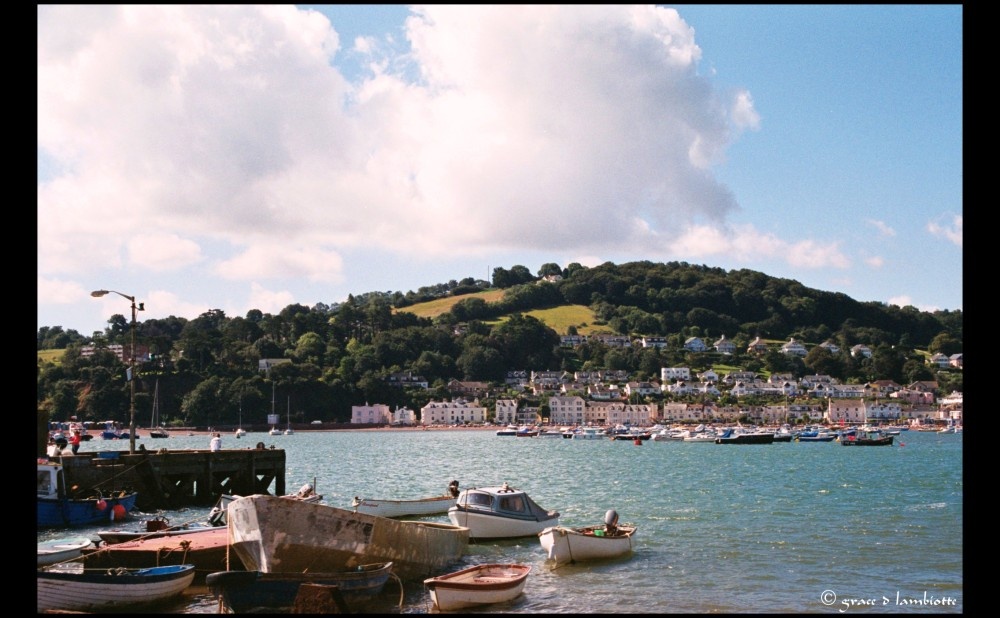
(253, 591)
(565, 545)
(404, 508)
(274, 535)
(482, 584)
(82, 591)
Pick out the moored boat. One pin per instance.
(62, 549)
(154, 528)
(434, 505)
(206, 550)
(73, 589)
(871, 437)
(276, 535)
(740, 436)
(255, 592)
(500, 513)
(564, 545)
(58, 508)
(482, 584)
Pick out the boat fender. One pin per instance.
(101, 505)
(118, 512)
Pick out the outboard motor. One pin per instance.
(305, 490)
(611, 522)
(453, 489)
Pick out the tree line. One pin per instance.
(342, 354)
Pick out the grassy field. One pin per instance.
(50, 356)
(434, 308)
(558, 319)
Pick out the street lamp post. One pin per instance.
(131, 366)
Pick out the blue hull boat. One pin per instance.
(57, 510)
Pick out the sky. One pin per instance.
(240, 157)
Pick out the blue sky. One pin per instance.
(246, 157)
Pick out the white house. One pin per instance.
(452, 413)
(378, 414)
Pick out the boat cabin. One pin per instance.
(48, 480)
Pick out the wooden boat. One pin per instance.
(435, 505)
(155, 528)
(84, 590)
(276, 535)
(608, 540)
(57, 508)
(206, 550)
(500, 513)
(61, 550)
(478, 585)
(873, 437)
(255, 592)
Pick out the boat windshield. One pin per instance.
(512, 503)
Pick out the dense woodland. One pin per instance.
(342, 354)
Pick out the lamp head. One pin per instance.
(98, 293)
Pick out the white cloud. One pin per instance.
(882, 227)
(952, 232)
(227, 124)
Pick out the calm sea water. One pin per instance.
(781, 528)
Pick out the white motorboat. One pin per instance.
(500, 513)
(590, 433)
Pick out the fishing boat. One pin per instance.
(256, 592)
(276, 535)
(500, 513)
(482, 584)
(58, 507)
(434, 505)
(868, 437)
(71, 588)
(62, 549)
(155, 431)
(565, 545)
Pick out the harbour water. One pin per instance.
(781, 528)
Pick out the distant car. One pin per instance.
(316, 423)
